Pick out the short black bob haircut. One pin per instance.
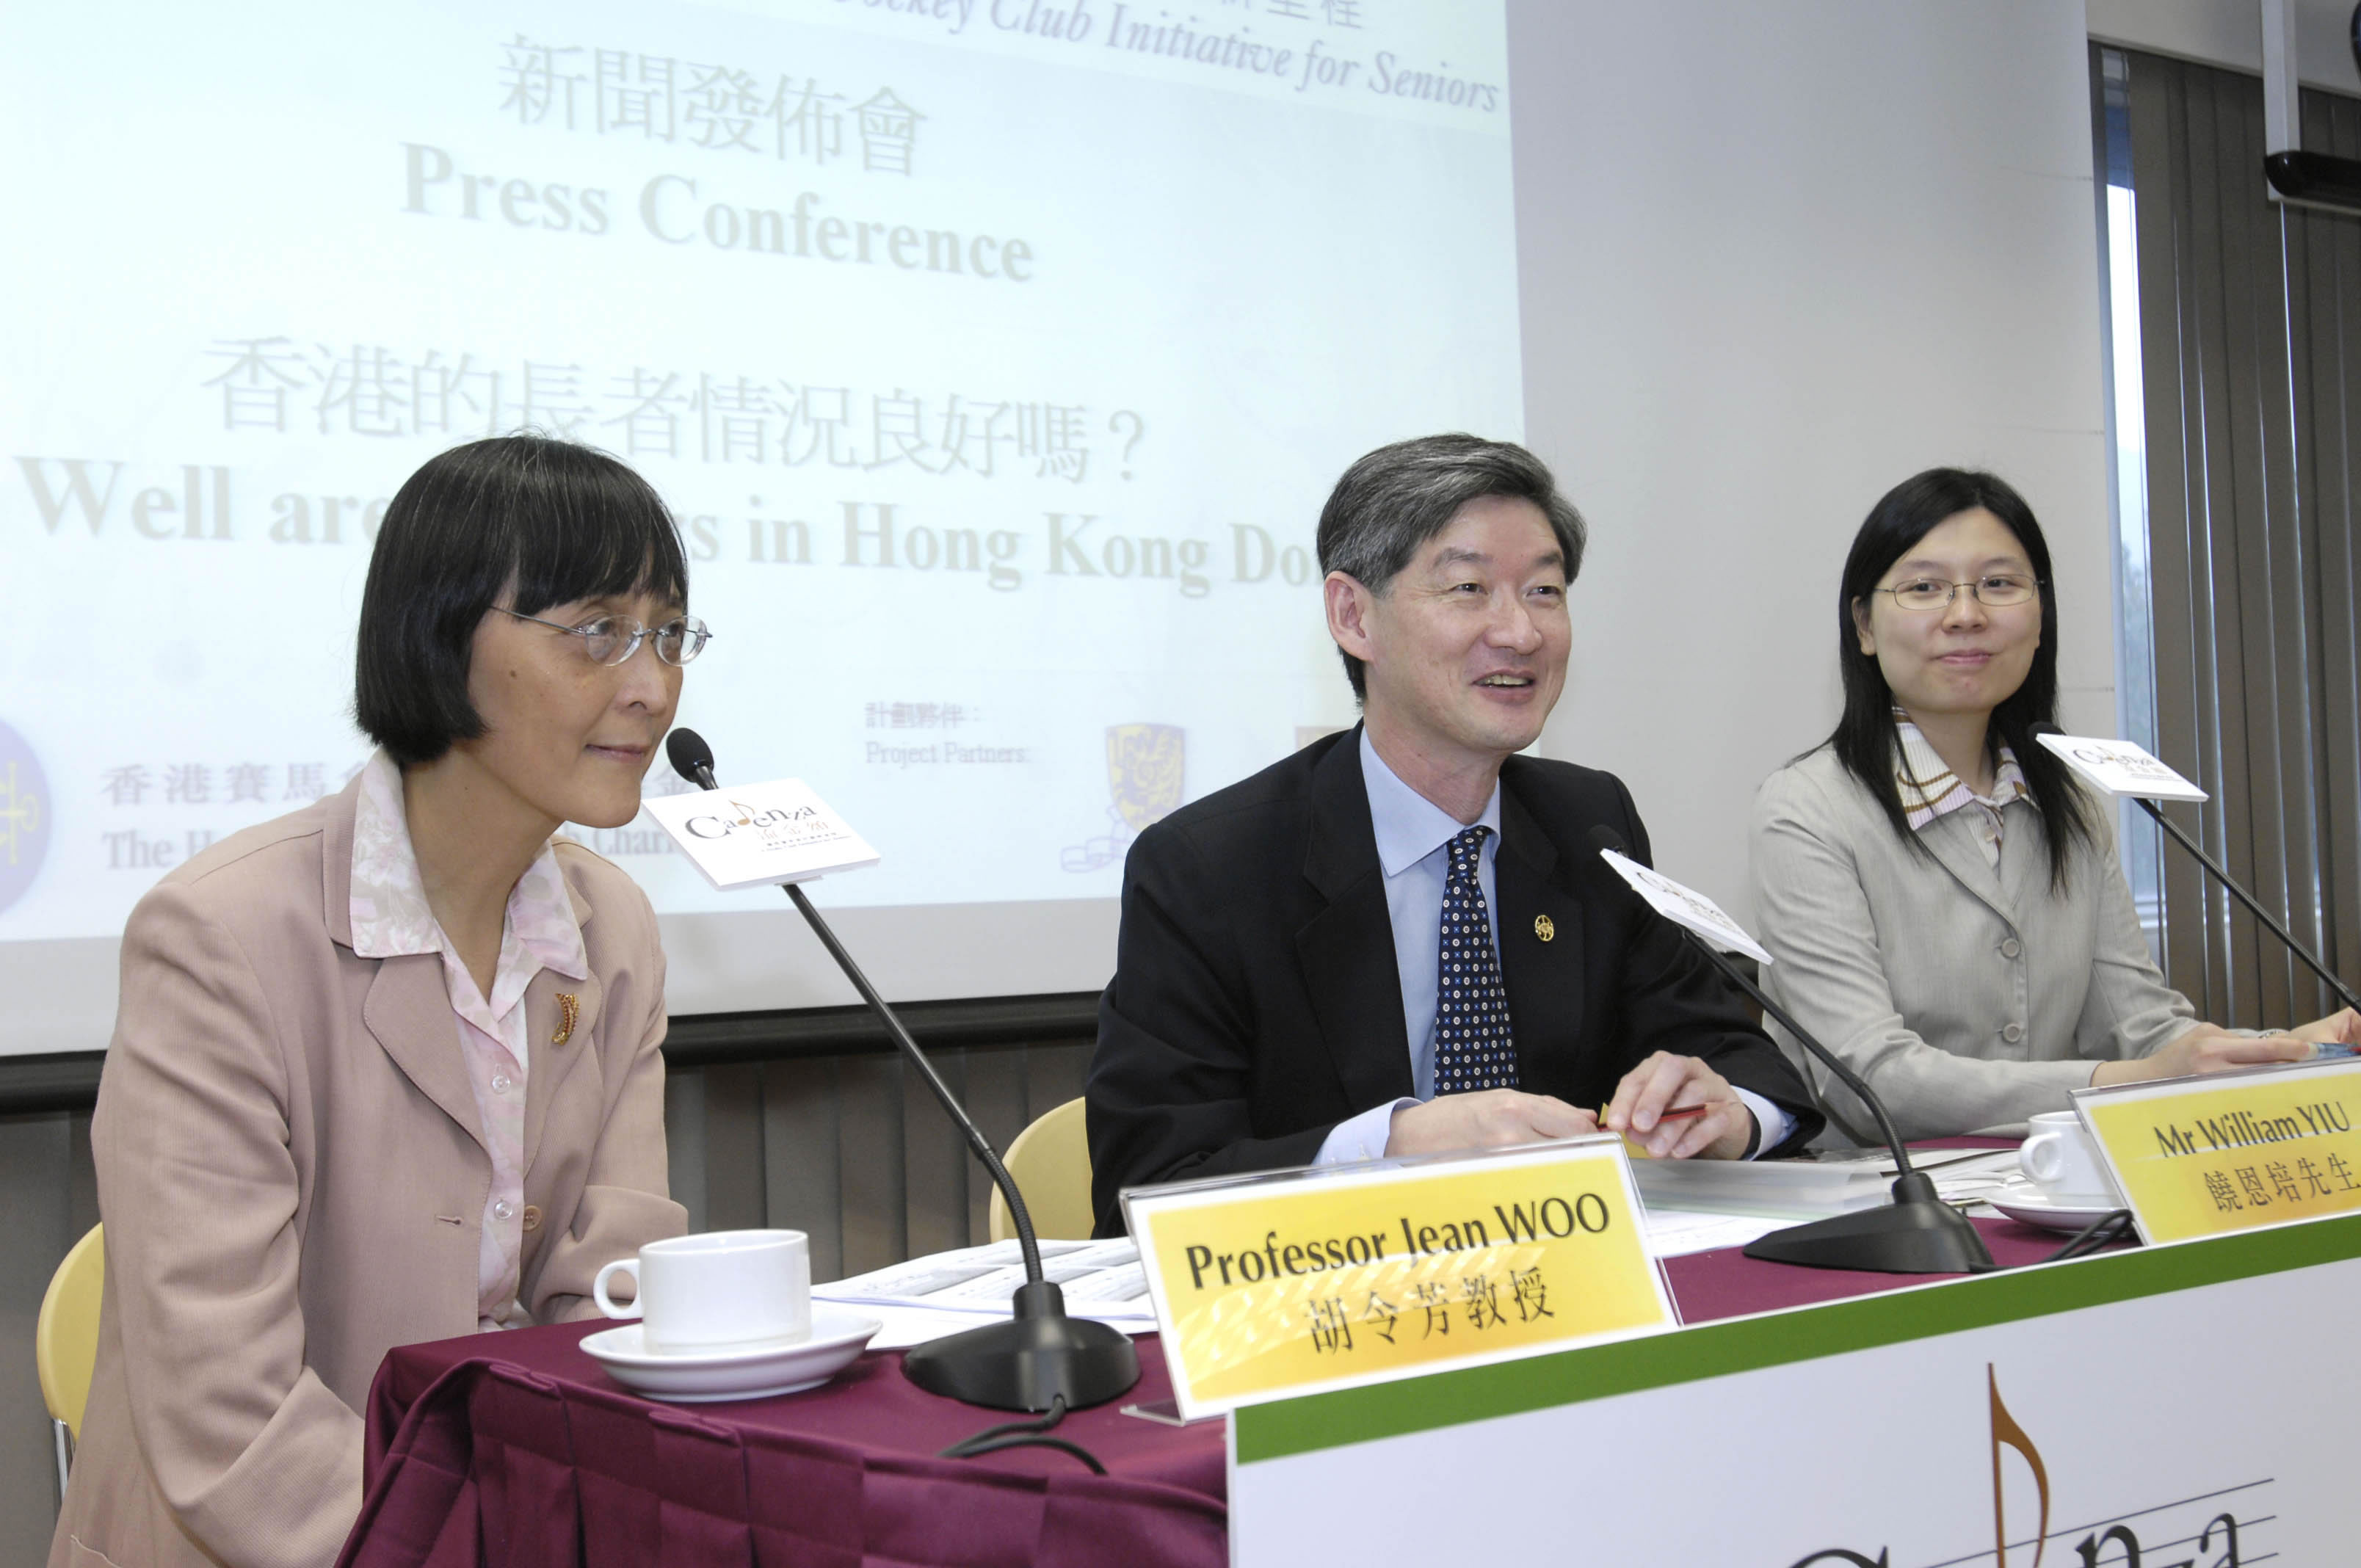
(1865, 737)
(1399, 497)
(547, 520)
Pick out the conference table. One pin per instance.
(517, 1449)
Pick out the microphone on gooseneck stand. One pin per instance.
(1916, 1234)
(1039, 1356)
(2344, 993)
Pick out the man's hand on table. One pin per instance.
(1488, 1119)
(1666, 1081)
(1500, 1118)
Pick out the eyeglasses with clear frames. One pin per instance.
(1999, 590)
(613, 639)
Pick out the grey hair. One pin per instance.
(1399, 497)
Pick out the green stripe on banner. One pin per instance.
(1806, 1333)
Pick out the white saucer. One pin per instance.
(2032, 1207)
(837, 1338)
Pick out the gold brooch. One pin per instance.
(569, 1008)
(1545, 928)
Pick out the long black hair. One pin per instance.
(1865, 737)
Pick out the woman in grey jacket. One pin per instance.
(1942, 899)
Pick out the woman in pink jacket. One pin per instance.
(387, 1069)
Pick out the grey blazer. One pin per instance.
(1969, 996)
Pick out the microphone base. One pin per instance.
(1030, 1360)
(1916, 1234)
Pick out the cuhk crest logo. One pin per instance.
(1144, 772)
(23, 817)
(1146, 763)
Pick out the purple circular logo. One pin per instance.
(23, 817)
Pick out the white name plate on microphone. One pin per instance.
(2119, 767)
(1686, 906)
(756, 834)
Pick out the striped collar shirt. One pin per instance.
(1930, 789)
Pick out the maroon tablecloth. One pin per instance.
(516, 1449)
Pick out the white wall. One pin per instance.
(1774, 260)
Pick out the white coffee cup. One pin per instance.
(719, 1292)
(2063, 1160)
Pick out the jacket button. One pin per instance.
(531, 1218)
(2013, 1033)
(2011, 947)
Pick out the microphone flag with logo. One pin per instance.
(2122, 769)
(756, 835)
(1919, 1233)
(1036, 1359)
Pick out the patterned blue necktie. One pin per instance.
(1472, 1048)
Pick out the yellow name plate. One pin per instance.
(1304, 1281)
(2233, 1151)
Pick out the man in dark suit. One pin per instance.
(1400, 939)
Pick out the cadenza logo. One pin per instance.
(778, 826)
(2175, 1538)
(23, 817)
(2136, 760)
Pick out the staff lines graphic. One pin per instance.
(2064, 1533)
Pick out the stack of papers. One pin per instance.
(1676, 1232)
(1813, 1189)
(1100, 1280)
(1792, 1189)
(1962, 1176)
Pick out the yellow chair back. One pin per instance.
(1051, 1161)
(65, 1337)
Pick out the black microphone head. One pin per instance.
(690, 757)
(1605, 838)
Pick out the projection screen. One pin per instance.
(995, 356)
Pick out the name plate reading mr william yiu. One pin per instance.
(1310, 1281)
(2233, 1151)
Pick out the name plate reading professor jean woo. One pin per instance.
(1300, 1282)
(754, 835)
(2233, 1151)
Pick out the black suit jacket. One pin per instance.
(1256, 1005)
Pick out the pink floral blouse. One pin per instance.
(390, 919)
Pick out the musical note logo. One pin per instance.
(2007, 1432)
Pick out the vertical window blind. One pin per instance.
(2248, 404)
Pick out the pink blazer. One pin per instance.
(292, 1178)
